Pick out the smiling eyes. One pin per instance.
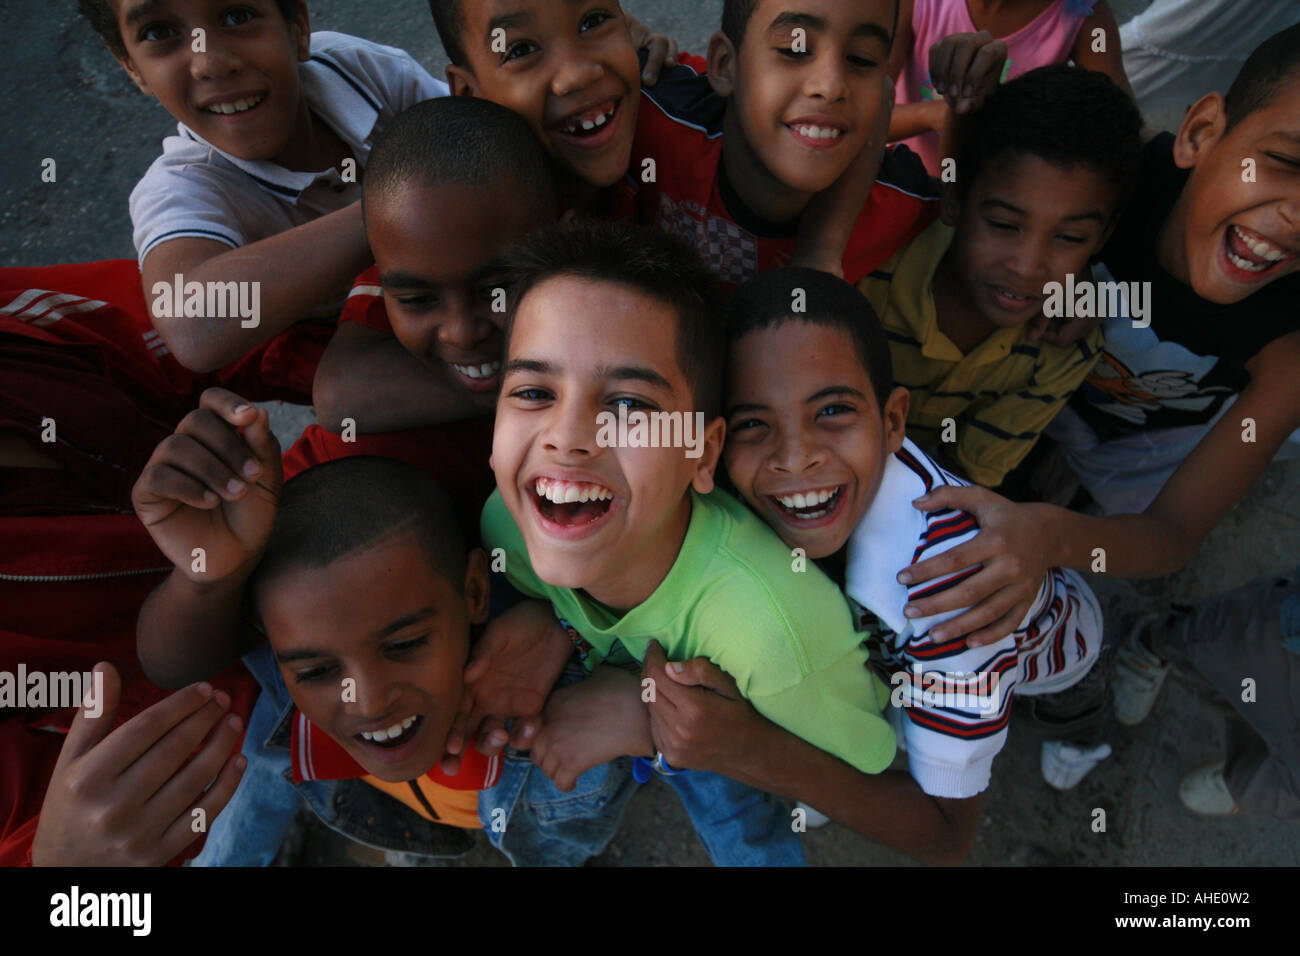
(522, 48)
(398, 651)
(1002, 226)
(161, 32)
(833, 410)
(531, 393)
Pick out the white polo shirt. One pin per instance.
(194, 189)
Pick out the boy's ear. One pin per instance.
(710, 451)
(723, 62)
(478, 585)
(136, 76)
(301, 29)
(949, 204)
(894, 415)
(461, 80)
(1201, 130)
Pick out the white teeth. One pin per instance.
(389, 733)
(819, 132)
(808, 499)
(1265, 250)
(573, 125)
(1241, 263)
(238, 106)
(568, 492)
(486, 370)
(602, 119)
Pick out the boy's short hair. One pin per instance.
(449, 21)
(463, 140)
(1273, 64)
(662, 266)
(1063, 114)
(766, 302)
(737, 13)
(103, 18)
(337, 508)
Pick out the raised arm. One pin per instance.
(297, 271)
(1102, 53)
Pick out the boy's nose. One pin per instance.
(574, 75)
(826, 79)
(374, 698)
(463, 329)
(214, 61)
(570, 429)
(796, 456)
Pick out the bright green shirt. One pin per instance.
(733, 595)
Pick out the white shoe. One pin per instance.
(813, 818)
(1205, 791)
(1064, 765)
(1139, 675)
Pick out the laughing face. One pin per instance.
(608, 520)
(1225, 237)
(436, 248)
(240, 92)
(806, 439)
(567, 67)
(1024, 223)
(405, 646)
(806, 88)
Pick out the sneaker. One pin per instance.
(1205, 791)
(1139, 675)
(1064, 765)
(813, 818)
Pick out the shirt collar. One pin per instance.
(337, 99)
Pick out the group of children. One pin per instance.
(469, 606)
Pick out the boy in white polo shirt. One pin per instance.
(261, 184)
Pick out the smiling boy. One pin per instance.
(1044, 169)
(633, 545)
(451, 183)
(262, 181)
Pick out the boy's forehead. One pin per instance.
(863, 17)
(1016, 182)
(484, 16)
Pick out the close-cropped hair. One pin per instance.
(736, 15)
(768, 301)
(103, 18)
(659, 265)
(1066, 115)
(449, 21)
(463, 140)
(1273, 65)
(338, 508)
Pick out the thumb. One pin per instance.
(950, 496)
(95, 716)
(701, 672)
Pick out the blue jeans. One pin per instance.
(535, 824)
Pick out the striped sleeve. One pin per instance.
(365, 303)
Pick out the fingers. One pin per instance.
(978, 614)
(186, 470)
(492, 736)
(971, 498)
(1008, 623)
(88, 730)
(156, 764)
(653, 666)
(186, 785)
(182, 831)
(657, 53)
(229, 406)
(456, 736)
(522, 733)
(982, 75)
(127, 743)
(963, 556)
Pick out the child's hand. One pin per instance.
(207, 486)
(698, 719)
(965, 68)
(512, 669)
(827, 223)
(1013, 552)
(588, 724)
(127, 798)
(660, 50)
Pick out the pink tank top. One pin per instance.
(1048, 38)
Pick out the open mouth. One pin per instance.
(592, 127)
(571, 504)
(483, 377)
(1012, 300)
(809, 505)
(816, 135)
(235, 106)
(403, 731)
(1252, 253)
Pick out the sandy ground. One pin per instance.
(68, 100)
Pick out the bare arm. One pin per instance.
(298, 270)
(1109, 59)
(1018, 543)
(367, 375)
(709, 726)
